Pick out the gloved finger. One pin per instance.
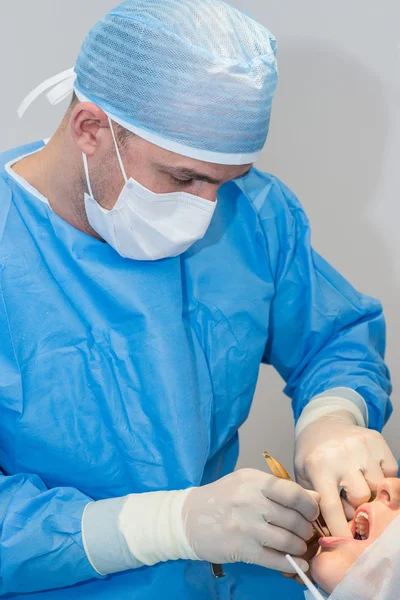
(271, 559)
(349, 510)
(271, 536)
(295, 577)
(292, 495)
(331, 506)
(289, 519)
(312, 549)
(356, 488)
(373, 474)
(300, 581)
(389, 464)
(315, 495)
(307, 485)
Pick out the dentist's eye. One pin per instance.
(181, 182)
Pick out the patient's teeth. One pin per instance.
(362, 525)
(362, 514)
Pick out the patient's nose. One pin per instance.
(388, 492)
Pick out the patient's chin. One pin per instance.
(328, 569)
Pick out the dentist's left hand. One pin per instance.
(333, 452)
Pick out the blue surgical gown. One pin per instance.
(118, 376)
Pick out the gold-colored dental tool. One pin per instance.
(279, 471)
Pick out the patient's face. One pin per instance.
(337, 555)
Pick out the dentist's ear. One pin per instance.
(86, 123)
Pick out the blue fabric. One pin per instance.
(119, 376)
(196, 72)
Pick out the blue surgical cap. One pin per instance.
(196, 77)
(193, 76)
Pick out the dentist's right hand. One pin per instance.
(252, 517)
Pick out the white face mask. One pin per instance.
(144, 225)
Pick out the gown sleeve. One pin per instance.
(41, 544)
(323, 334)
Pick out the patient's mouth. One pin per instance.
(362, 523)
(360, 529)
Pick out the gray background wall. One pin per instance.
(335, 140)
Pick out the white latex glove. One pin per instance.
(252, 517)
(333, 452)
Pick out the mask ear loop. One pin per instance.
(86, 167)
(121, 164)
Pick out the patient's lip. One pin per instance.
(366, 507)
(329, 542)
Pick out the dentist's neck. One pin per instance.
(56, 171)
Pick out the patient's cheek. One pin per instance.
(328, 569)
